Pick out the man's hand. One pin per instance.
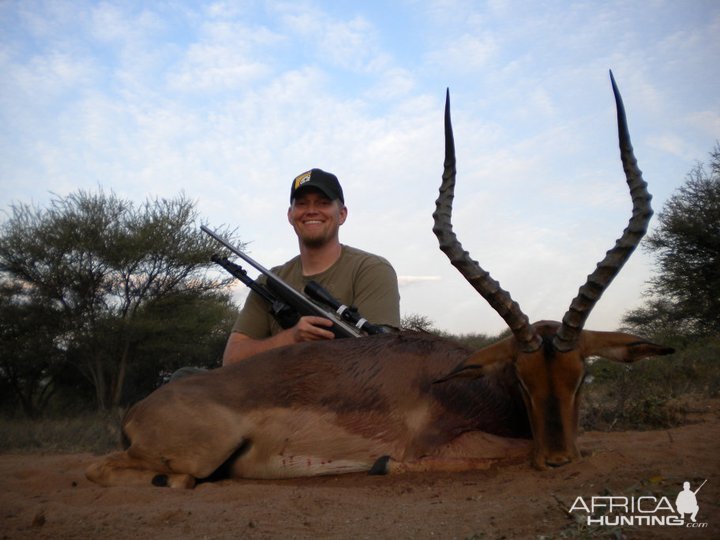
(311, 328)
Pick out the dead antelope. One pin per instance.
(389, 403)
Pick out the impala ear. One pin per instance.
(463, 372)
(619, 346)
(477, 364)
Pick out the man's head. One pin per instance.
(317, 208)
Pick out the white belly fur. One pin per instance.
(287, 444)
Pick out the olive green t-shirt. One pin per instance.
(357, 278)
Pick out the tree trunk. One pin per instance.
(120, 378)
(97, 372)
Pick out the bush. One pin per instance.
(645, 395)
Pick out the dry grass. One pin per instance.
(96, 433)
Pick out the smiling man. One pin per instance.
(355, 277)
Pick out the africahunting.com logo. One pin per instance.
(646, 510)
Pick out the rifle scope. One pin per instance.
(347, 313)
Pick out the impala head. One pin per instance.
(549, 357)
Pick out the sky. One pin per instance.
(226, 102)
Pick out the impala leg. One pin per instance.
(120, 469)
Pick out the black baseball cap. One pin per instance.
(326, 182)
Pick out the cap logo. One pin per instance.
(300, 180)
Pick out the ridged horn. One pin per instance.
(572, 324)
(490, 289)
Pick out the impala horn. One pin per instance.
(567, 336)
(499, 299)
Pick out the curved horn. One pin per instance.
(490, 290)
(588, 295)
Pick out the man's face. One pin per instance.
(315, 218)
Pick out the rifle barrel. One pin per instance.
(701, 485)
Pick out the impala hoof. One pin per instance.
(380, 467)
(160, 480)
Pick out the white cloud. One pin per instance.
(406, 281)
(466, 52)
(706, 121)
(671, 143)
(349, 44)
(48, 75)
(212, 68)
(394, 83)
(226, 55)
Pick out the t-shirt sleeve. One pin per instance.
(376, 293)
(254, 319)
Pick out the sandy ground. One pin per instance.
(47, 496)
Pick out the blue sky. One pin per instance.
(226, 102)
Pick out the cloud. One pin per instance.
(405, 281)
(48, 75)
(215, 68)
(706, 121)
(112, 23)
(671, 143)
(226, 54)
(349, 44)
(394, 83)
(466, 52)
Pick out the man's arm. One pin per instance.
(377, 296)
(309, 328)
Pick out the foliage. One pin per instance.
(183, 329)
(652, 393)
(83, 283)
(29, 359)
(478, 341)
(417, 322)
(684, 295)
(423, 323)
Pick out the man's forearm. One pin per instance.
(239, 346)
(309, 328)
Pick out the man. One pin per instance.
(354, 277)
(686, 502)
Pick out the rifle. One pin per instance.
(287, 305)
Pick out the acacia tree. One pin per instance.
(684, 294)
(100, 261)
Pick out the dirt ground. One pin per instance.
(47, 496)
